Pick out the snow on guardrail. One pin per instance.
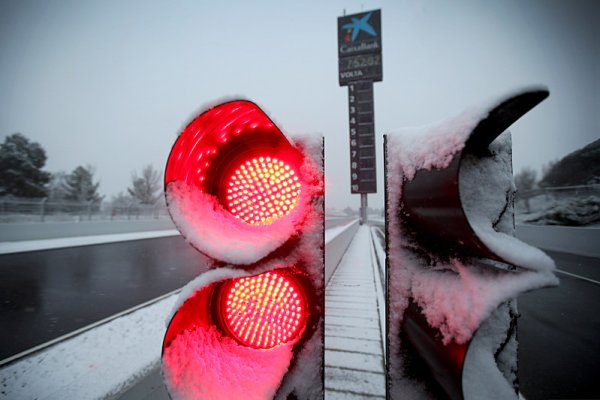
(60, 243)
(337, 241)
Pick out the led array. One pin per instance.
(262, 189)
(264, 311)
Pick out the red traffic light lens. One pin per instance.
(236, 187)
(262, 189)
(264, 311)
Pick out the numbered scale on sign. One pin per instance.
(362, 137)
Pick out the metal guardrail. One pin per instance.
(562, 191)
(569, 205)
(336, 247)
(535, 199)
(23, 209)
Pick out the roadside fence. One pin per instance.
(13, 209)
(567, 205)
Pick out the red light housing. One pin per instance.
(232, 170)
(219, 141)
(260, 311)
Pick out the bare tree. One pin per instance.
(146, 187)
(526, 179)
(57, 187)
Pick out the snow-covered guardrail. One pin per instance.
(22, 231)
(337, 241)
(568, 239)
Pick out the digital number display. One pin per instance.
(361, 67)
(360, 61)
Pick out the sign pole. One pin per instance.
(363, 209)
(360, 64)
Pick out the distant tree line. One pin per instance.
(581, 167)
(22, 162)
(22, 175)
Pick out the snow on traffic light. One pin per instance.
(454, 265)
(250, 199)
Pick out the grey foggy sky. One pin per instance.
(110, 83)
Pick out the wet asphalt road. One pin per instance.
(559, 334)
(46, 294)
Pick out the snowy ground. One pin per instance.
(354, 344)
(58, 243)
(568, 211)
(19, 231)
(95, 364)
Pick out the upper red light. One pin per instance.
(194, 158)
(264, 311)
(262, 189)
(236, 153)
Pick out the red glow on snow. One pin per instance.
(264, 311)
(262, 189)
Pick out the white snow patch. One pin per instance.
(214, 231)
(200, 282)
(484, 372)
(431, 146)
(48, 244)
(434, 145)
(486, 187)
(205, 223)
(202, 364)
(304, 378)
(457, 298)
(332, 233)
(96, 364)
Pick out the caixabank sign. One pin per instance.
(359, 47)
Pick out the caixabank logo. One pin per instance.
(359, 47)
(359, 33)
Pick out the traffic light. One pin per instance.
(454, 265)
(250, 199)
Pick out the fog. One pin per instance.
(112, 83)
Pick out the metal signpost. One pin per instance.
(360, 64)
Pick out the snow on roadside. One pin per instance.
(96, 364)
(332, 233)
(59, 243)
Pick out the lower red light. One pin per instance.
(262, 190)
(264, 311)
